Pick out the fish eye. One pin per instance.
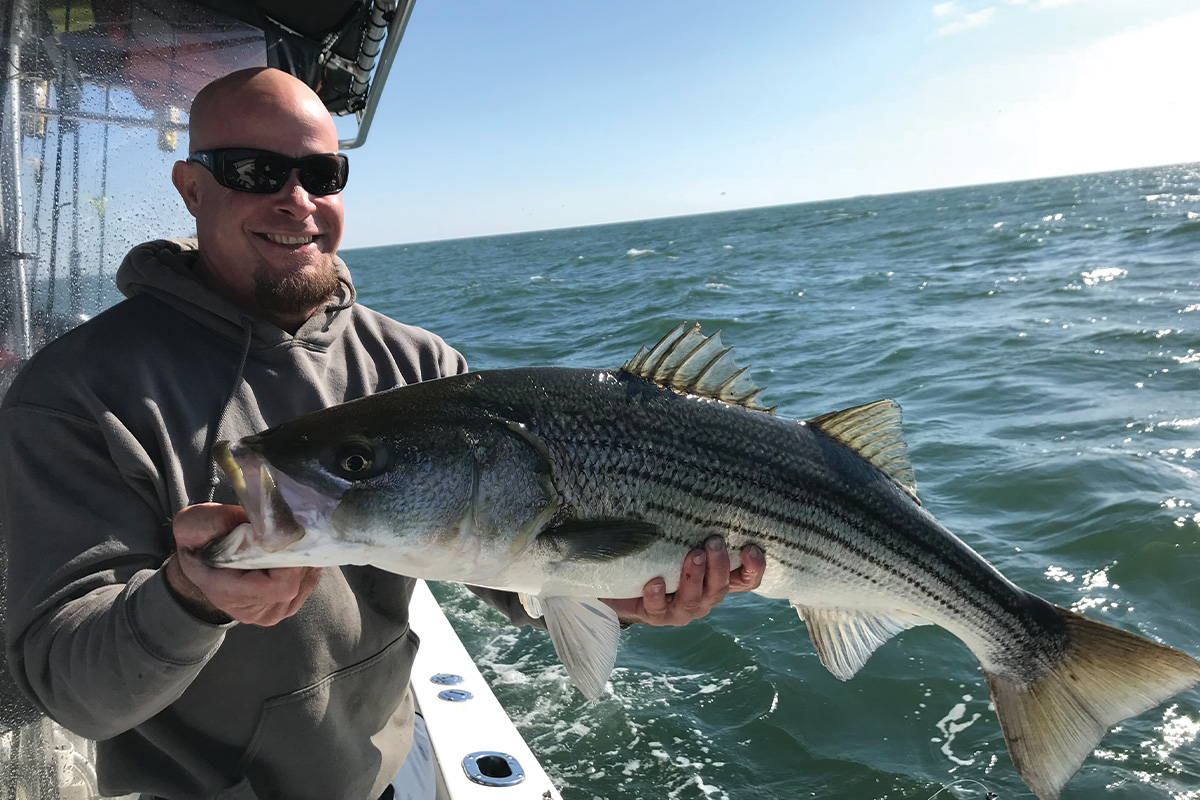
(356, 461)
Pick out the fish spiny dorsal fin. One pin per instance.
(686, 360)
(873, 431)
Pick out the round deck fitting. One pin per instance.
(490, 768)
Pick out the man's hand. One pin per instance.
(256, 596)
(703, 584)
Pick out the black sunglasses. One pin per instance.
(245, 169)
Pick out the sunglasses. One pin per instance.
(245, 169)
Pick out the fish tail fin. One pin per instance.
(1053, 721)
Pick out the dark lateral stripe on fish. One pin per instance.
(783, 542)
(732, 464)
(946, 592)
(787, 544)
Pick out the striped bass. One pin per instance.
(568, 485)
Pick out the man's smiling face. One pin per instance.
(272, 254)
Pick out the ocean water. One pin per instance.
(1043, 338)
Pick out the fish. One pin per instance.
(568, 485)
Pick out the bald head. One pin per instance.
(271, 254)
(232, 110)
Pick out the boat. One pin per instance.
(94, 101)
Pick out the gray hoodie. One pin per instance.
(104, 436)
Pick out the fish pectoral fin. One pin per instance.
(585, 632)
(873, 431)
(599, 540)
(846, 639)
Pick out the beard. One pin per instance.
(298, 292)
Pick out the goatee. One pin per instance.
(298, 292)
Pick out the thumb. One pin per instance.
(196, 526)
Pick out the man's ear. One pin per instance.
(187, 184)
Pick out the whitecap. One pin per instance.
(1103, 275)
(1177, 424)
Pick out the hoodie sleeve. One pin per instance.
(93, 635)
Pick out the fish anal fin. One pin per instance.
(846, 639)
(1052, 723)
(873, 431)
(585, 633)
(685, 360)
(598, 540)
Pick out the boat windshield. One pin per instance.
(94, 112)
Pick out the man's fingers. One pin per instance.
(716, 578)
(749, 576)
(704, 581)
(691, 582)
(257, 596)
(654, 599)
(196, 526)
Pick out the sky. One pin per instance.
(515, 116)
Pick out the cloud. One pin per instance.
(975, 19)
(1036, 4)
(959, 19)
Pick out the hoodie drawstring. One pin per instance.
(332, 309)
(214, 472)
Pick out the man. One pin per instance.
(204, 683)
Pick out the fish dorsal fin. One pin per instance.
(873, 431)
(686, 360)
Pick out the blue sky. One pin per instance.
(539, 114)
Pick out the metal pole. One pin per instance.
(75, 279)
(12, 258)
(102, 210)
(391, 45)
(55, 210)
(92, 116)
(376, 29)
(37, 205)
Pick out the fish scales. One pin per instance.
(568, 485)
(786, 494)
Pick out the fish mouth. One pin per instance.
(280, 509)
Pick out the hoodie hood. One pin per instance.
(164, 270)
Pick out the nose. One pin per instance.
(293, 199)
